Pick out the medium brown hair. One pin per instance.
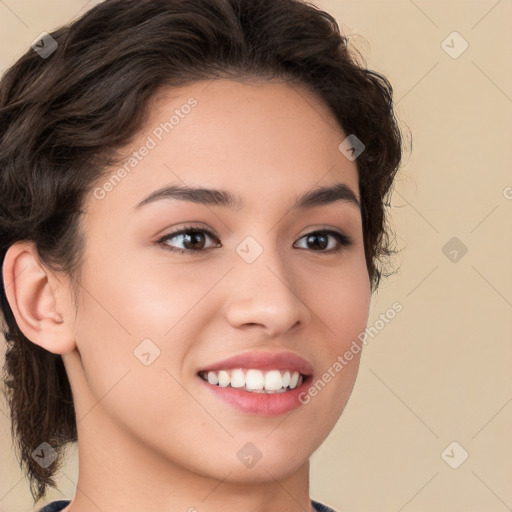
(64, 117)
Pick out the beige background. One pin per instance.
(441, 370)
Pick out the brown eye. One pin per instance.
(320, 240)
(193, 240)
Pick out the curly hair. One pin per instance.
(64, 117)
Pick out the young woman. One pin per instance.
(192, 224)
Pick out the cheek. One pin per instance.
(118, 324)
(341, 298)
(149, 295)
(131, 307)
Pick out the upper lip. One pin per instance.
(263, 361)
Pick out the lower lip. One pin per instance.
(263, 404)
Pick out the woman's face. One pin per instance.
(267, 277)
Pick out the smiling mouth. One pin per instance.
(254, 380)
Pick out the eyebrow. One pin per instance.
(213, 197)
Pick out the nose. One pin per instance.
(266, 294)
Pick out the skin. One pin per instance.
(153, 437)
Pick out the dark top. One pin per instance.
(55, 506)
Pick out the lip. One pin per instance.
(261, 404)
(263, 361)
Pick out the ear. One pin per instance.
(41, 303)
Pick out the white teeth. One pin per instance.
(237, 379)
(294, 379)
(224, 379)
(255, 381)
(213, 378)
(273, 380)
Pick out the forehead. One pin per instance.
(264, 141)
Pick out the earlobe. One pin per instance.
(34, 298)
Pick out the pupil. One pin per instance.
(323, 245)
(194, 237)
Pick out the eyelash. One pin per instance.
(344, 241)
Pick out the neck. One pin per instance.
(119, 472)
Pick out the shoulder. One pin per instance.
(55, 506)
